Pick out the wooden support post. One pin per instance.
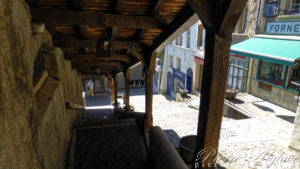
(212, 95)
(150, 68)
(219, 18)
(112, 90)
(149, 99)
(115, 90)
(127, 88)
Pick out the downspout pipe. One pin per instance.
(257, 17)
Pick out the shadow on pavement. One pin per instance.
(290, 119)
(263, 108)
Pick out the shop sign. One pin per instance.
(179, 75)
(198, 60)
(287, 28)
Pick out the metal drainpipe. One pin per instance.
(257, 17)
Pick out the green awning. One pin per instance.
(281, 51)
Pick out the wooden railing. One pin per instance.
(40, 83)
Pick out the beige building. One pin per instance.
(275, 18)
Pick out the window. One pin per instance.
(178, 63)
(295, 6)
(188, 38)
(180, 40)
(271, 72)
(238, 73)
(170, 61)
(271, 7)
(293, 75)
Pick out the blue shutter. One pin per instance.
(271, 7)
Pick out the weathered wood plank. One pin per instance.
(40, 83)
(127, 88)
(71, 105)
(59, 16)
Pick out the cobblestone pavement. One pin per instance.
(259, 142)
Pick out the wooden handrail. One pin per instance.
(40, 83)
(74, 106)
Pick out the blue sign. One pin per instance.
(179, 75)
(287, 28)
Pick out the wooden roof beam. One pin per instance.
(96, 69)
(134, 52)
(118, 10)
(100, 64)
(89, 57)
(59, 16)
(169, 33)
(76, 4)
(156, 6)
(78, 43)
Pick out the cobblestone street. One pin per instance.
(258, 142)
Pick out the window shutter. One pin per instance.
(271, 7)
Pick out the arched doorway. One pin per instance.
(169, 83)
(189, 80)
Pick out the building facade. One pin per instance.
(272, 53)
(178, 68)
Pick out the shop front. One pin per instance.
(272, 72)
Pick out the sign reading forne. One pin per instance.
(289, 28)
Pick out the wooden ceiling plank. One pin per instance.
(59, 16)
(186, 13)
(157, 5)
(119, 6)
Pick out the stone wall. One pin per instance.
(279, 96)
(34, 129)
